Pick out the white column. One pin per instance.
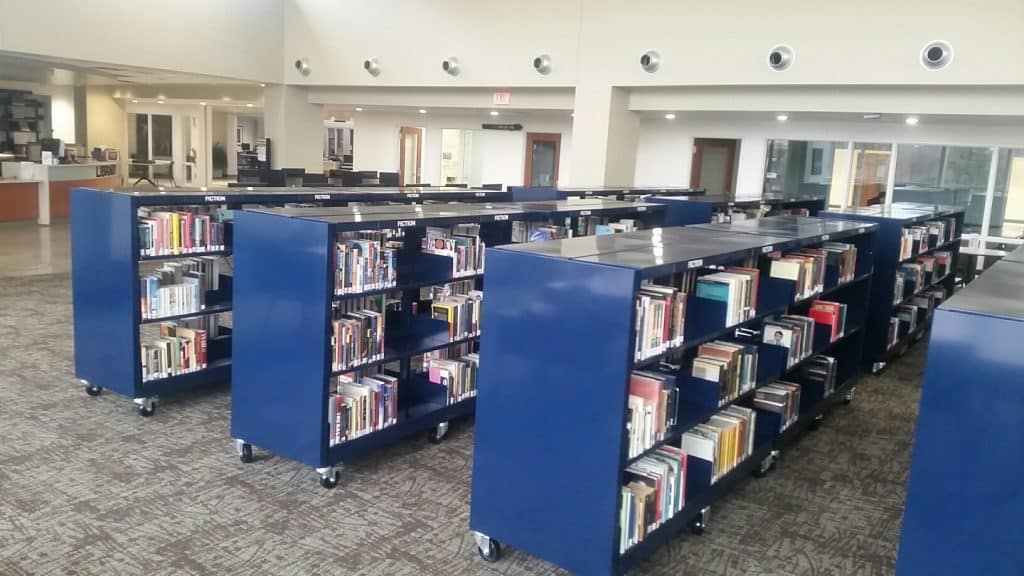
(990, 193)
(604, 137)
(295, 128)
(850, 176)
(890, 181)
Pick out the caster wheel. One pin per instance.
(698, 528)
(93, 390)
(329, 481)
(146, 412)
(492, 552)
(815, 424)
(847, 401)
(434, 437)
(246, 455)
(760, 473)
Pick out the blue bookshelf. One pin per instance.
(684, 210)
(891, 224)
(551, 440)
(964, 497)
(282, 331)
(106, 263)
(530, 193)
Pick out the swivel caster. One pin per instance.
(438, 433)
(329, 477)
(489, 548)
(93, 390)
(767, 464)
(700, 523)
(877, 367)
(849, 396)
(145, 406)
(816, 423)
(244, 450)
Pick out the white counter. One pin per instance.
(101, 174)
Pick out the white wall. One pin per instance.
(232, 38)
(664, 149)
(376, 137)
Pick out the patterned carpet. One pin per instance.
(89, 487)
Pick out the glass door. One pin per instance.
(410, 156)
(542, 151)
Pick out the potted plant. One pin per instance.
(220, 160)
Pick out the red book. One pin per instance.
(824, 312)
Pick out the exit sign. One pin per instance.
(502, 97)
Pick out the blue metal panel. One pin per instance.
(533, 499)
(531, 193)
(104, 252)
(281, 326)
(964, 496)
(684, 211)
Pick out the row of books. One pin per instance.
(358, 338)
(655, 491)
(919, 238)
(660, 313)
(462, 244)
(832, 314)
(905, 316)
(725, 440)
(736, 286)
(460, 312)
(178, 350)
(793, 332)
(844, 257)
(527, 231)
(653, 401)
(164, 233)
(732, 365)
(365, 261)
(782, 398)
(360, 405)
(179, 287)
(459, 376)
(806, 268)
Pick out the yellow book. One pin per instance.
(176, 232)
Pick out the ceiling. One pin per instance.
(66, 71)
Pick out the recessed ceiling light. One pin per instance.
(135, 101)
(494, 112)
(782, 117)
(572, 114)
(359, 109)
(422, 111)
(670, 116)
(911, 120)
(872, 116)
(226, 98)
(250, 105)
(262, 85)
(159, 101)
(202, 103)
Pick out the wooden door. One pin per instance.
(410, 156)
(714, 161)
(542, 154)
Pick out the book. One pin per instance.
(365, 261)
(177, 351)
(460, 312)
(732, 365)
(653, 400)
(821, 369)
(191, 230)
(793, 332)
(831, 314)
(180, 287)
(660, 314)
(654, 492)
(361, 404)
(782, 398)
(843, 257)
(358, 338)
(734, 288)
(458, 377)
(724, 440)
(461, 244)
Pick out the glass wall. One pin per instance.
(871, 173)
(803, 169)
(1007, 219)
(952, 175)
(459, 163)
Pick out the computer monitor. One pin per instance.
(51, 145)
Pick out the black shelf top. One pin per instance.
(909, 212)
(997, 292)
(680, 248)
(257, 194)
(804, 228)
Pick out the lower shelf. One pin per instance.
(807, 418)
(216, 371)
(636, 555)
(413, 420)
